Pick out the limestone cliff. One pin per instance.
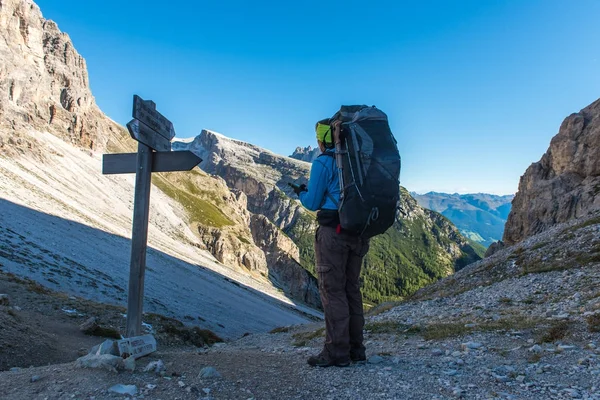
(44, 83)
(564, 184)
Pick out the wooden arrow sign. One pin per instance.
(162, 161)
(142, 133)
(145, 111)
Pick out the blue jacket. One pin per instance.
(324, 180)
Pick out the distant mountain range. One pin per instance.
(479, 216)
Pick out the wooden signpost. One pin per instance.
(154, 133)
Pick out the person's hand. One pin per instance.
(298, 189)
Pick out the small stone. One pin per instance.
(456, 354)
(155, 366)
(130, 390)
(471, 346)
(450, 372)
(574, 393)
(15, 369)
(563, 347)
(535, 348)
(436, 352)
(501, 378)
(181, 384)
(4, 300)
(206, 390)
(89, 326)
(150, 386)
(35, 378)
(209, 372)
(375, 359)
(520, 378)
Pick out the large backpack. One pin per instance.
(369, 170)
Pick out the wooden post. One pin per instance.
(139, 240)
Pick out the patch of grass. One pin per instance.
(174, 328)
(194, 335)
(280, 329)
(111, 333)
(557, 331)
(302, 338)
(243, 239)
(584, 259)
(593, 322)
(528, 300)
(37, 288)
(592, 221)
(199, 210)
(383, 307)
(538, 266)
(505, 300)
(445, 330)
(539, 245)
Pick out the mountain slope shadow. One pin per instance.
(80, 260)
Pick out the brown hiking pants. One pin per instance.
(339, 260)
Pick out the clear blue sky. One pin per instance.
(474, 90)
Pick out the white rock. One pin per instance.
(103, 361)
(209, 372)
(155, 366)
(535, 348)
(130, 390)
(471, 346)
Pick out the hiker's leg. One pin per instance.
(355, 303)
(332, 256)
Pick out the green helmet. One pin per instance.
(324, 132)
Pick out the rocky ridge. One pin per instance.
(564, 184)
(308, 154)
(436, 247)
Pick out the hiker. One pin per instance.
(339, 256)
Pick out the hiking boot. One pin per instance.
(358, 357)
(323, 360)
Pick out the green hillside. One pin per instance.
(479, 216)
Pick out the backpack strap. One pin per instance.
(327, 192)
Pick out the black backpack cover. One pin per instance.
(369, 166)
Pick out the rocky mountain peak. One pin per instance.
(44, 81)
(565, 183)
(308, 154)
